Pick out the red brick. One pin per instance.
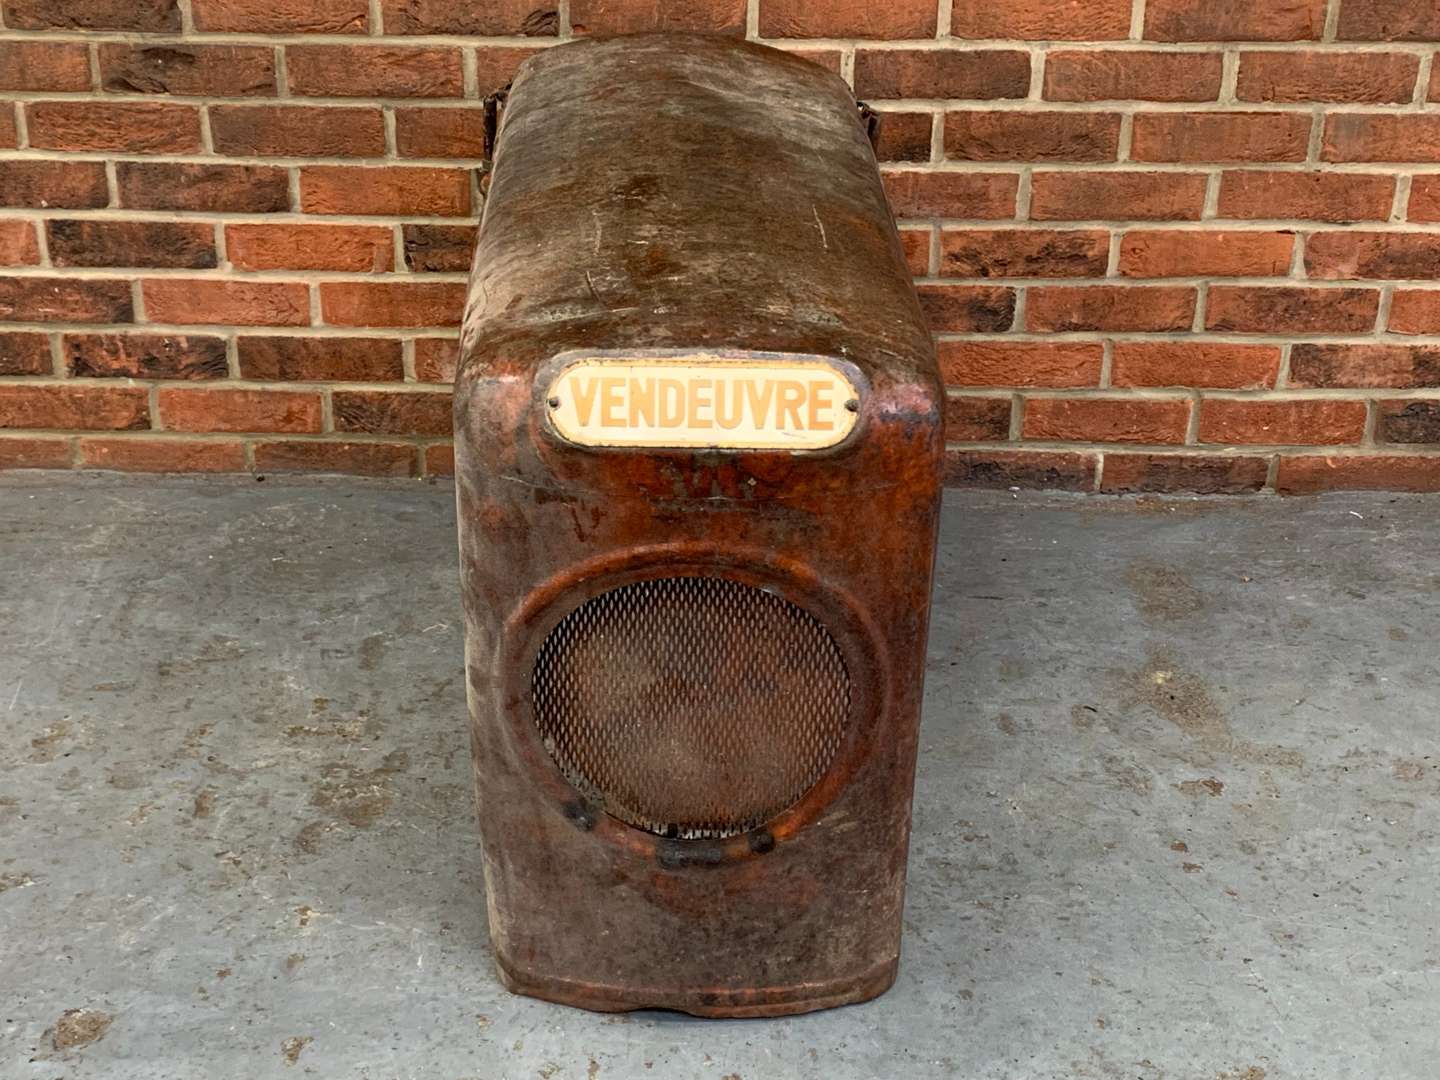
(53, 299)
(88, 242)
(362, 458)
(1316, 196)
(847, 19)
(1191, 253)
(1042, 20)
(977, 419)
(1220, 137)
(1006, 253)
(154, 185)
(436, 359)
(1251, 309)
(439, 247)
(143, 15)
(374, 70)
(634, 16)
(1350, 255)
(1115, 420)
(394, 189)
(18, 246)
(1094, 196)
(240, 410)
(67, 185)
(74, 408)
(1194, 363)
(1326, 76)
(144, 356)
(130, 127)
(199, 70)
(1020, 468)
(968, 195)
(18, 453)
(310, 247)
(1381, 137)
(441, 132)
(1369, 366)
(241, 303)
(829, 59)
(1389, 20)
(1281, 423)
(1409, 422)
(440, 459)
(320, 359)
(496, 65)
(962, 308)
(44, 66)
(1015, 135)
(1109, 307)
(282, 16)
(1371, 472)
(162, 455)
(1098, 75)
(1201, 474)
(397, 303)
(494, 18)
(916, 243)
(1020, 363)
(393, 412)
(24, 353)
(1415, 311)
(1234, 20)
(903, 136)
(1424, 199)
(941, 73)
(9, 127)
(297, 131)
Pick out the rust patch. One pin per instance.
(79, 1027)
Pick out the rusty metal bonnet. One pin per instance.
(698, 435)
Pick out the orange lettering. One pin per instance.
(642, 402)
(730, 419)
(759, 403)
(820, 391)
(611, 401)
(672, 403)
(792, 395)
(584, 399)
(700, 403)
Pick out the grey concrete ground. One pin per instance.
(1176, 813)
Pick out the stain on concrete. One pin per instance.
(15, 881)
(1126, 775)
(359, 796)
(1208, 786)
(1409, 770)
(1397, 634)
(292, 1047)
(79, 1027)
(1179, 845)
(204, 803)
(46, 747)
(372, 651)
(1162, 592)
(1185, 700)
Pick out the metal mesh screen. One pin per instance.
(691, 706)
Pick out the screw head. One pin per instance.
(853, 405)
(553, 402)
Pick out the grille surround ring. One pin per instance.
(861, 647)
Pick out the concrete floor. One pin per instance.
(1176, 814)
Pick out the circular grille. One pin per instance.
(691, 706)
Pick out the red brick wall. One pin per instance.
(1164, 244)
